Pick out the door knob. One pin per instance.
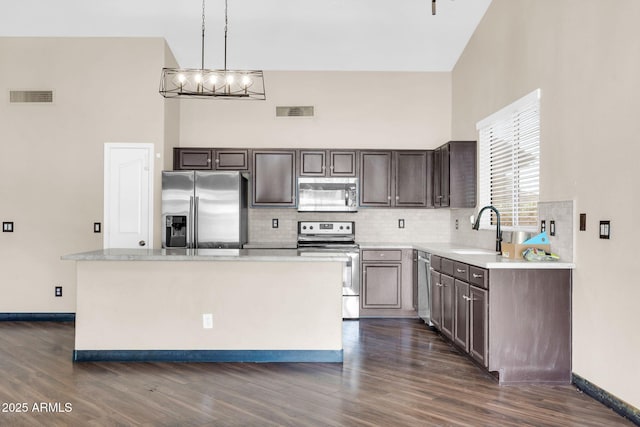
(142, 243)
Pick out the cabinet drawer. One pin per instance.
(382, 255)
(436, 262)
(461, 271)
(479, 276)
(446, 266)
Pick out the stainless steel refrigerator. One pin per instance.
(204, 209)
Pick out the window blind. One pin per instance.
(509, 173)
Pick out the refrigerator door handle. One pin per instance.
(195, 222)
(190, 225)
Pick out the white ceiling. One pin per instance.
(375, 35)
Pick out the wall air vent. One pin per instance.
(304, 111)
(31, 96)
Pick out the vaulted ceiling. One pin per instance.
(373, 35)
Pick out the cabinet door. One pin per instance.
(312, 163)
(411, 178)
(274, 178)
(444, 176)
(228, 159)
(436, 300)
(461, 314)
(478, 316)
(192, 159)
(381, 285)
(375, 178)
(447, 305)
(462, 174)
(342, 163)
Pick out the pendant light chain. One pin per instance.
(202, 54)
(225, 34)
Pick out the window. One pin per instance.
(509, 160)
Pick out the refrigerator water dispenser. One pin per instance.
(176, 231)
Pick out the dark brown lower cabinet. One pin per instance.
(461, 314)
(382, 284)
(435, 300)
(514, 322)
(386, 283)
(478, 317)
(447, 283)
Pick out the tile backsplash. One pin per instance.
(560, 212)
(372, 225)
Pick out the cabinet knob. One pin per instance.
(217, 161)
(209, 160)
(142, 243)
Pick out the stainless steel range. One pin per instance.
(322, 237)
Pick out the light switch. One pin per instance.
(552, 228)
(401, 223)
(7, 227)
(605, 229)
(97, 227)
(274, 223)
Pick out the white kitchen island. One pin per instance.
(151, 305)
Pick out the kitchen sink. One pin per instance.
(472, 251)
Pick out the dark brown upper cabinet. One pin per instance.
(375, 178)
(192, 159)
(274, 178)
(210, 159)
(413, 178)
(396, 178)
(454, 175)
(327, 163)
(231, 159)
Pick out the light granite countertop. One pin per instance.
(478, 257)
(266, 255)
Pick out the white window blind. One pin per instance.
(509, 160)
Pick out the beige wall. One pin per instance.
(51, 166)
(352, 109)
(583, 54)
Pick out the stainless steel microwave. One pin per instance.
(327, 194)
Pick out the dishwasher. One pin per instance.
(424, 286)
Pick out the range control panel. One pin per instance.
(329, 227)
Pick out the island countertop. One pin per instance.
(242, 255)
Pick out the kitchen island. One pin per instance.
(208, 305)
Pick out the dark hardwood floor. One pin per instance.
(395, 373)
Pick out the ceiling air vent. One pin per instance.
(31, 96)
(305, 111)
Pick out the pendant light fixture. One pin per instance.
(217, 84)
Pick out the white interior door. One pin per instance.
(128, 195)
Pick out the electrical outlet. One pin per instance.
(7, 227)
(401, 223)
(274, 223)
(457, 224)
(207, 320)
(543, 226)
(58, 291)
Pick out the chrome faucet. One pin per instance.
(476, 225)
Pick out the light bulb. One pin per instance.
(246, 81)
(198, 78)
(230, 79)
(213, 79)
(181, 78)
